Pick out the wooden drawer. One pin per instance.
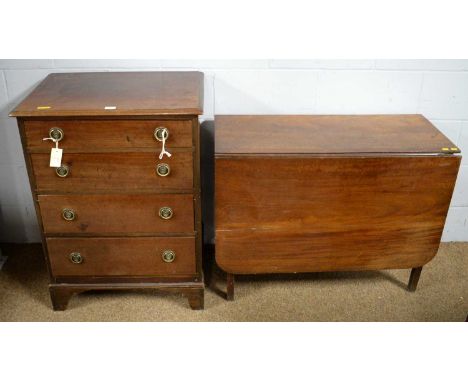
(98, 135)
(140, 256)
(113, 171)
(116, 213)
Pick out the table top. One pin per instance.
(115, 94)
(328, 134)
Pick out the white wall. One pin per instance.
(436, 88)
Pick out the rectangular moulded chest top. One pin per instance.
(329, 193)
(107, 94)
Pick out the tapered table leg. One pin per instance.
(414, 278)
(230, 287)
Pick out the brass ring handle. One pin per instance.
(165, 213)
(68, 214)
(62, 171)
(168, 256)
(76, 258)
(159, 132)
(163, 169)
(56, 133)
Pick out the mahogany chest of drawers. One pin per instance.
(330, 193)
(117, 212)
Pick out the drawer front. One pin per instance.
(96, 135)
(113, 171)
(289, 214)
(141, 256)
(116, 214)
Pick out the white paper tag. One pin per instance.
(56, 157)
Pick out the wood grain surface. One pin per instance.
(295, 214)
(118, 172)
(126, 93)
(122, 256)
(97, 135)
(117, 213)
(323, 134)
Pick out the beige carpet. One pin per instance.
(442, 295)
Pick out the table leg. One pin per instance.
(230, 287)
(414, 278)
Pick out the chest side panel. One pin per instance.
(302, 214)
